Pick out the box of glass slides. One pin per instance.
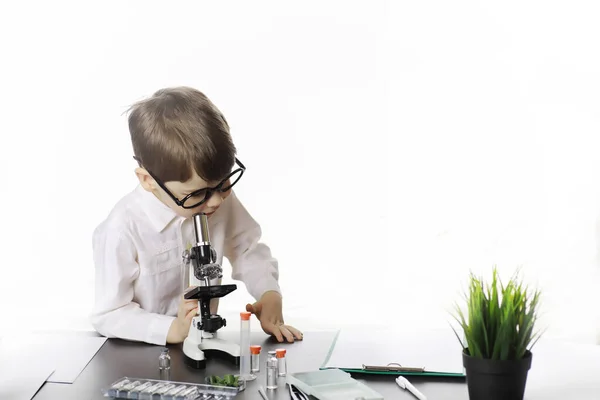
(154, 389)
(331, 384)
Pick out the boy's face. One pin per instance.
(181, 190)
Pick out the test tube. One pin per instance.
(146, 394)
(245, 373)
(164, 365)
(133, 393)
(255, 358)
(131, 385)
(123, 392)
(165, 389)
(114, 389)
(120, 383)
(176, 390)
(191, 392)
(281, 362)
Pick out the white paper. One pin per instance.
(21, 379)
(434, 350)
(64, 354)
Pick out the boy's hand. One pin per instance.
(268, 310)
(180, 327)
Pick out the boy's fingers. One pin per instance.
(286, 332)
(191, 314)
(297, 334)
(254, 309)
(274, 330)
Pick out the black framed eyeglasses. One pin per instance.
(201, 196)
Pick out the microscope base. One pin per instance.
(219, 348)
(196, 364)
(196, 352)
(193, 356)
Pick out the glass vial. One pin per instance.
(272, 370)
(164, 365)
(281, 362)
(255, 358)
(245, 373)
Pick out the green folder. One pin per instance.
(356, 355)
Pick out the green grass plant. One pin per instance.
(500, 320)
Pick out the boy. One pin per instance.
(187, 164)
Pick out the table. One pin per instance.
(118, 358)
(559, 371)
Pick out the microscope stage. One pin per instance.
(210, 292)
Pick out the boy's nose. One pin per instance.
(215, 200)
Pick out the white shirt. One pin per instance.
(139, 274)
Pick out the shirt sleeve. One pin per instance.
(115, 314)
(251, 260)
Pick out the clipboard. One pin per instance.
(382, 356)
(392, 367)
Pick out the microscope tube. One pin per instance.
(245, 372)
(255, 358)
(281, 362)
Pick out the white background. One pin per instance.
(391, 147)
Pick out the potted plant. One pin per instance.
(498, 330)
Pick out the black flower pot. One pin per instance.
(496, 379)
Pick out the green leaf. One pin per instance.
(458, 337)
(229, 380)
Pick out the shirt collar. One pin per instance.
(158, 213)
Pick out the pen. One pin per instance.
(262, 393)
(405, 384)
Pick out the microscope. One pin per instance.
(201, 261)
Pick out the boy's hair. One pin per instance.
(179, 130)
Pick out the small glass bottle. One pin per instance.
(255, 358)
(164, 365)
(272, 371)
(281, 362)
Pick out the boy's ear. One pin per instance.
(145, 179)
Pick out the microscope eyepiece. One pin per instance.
(205, 266)
(201, 229)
